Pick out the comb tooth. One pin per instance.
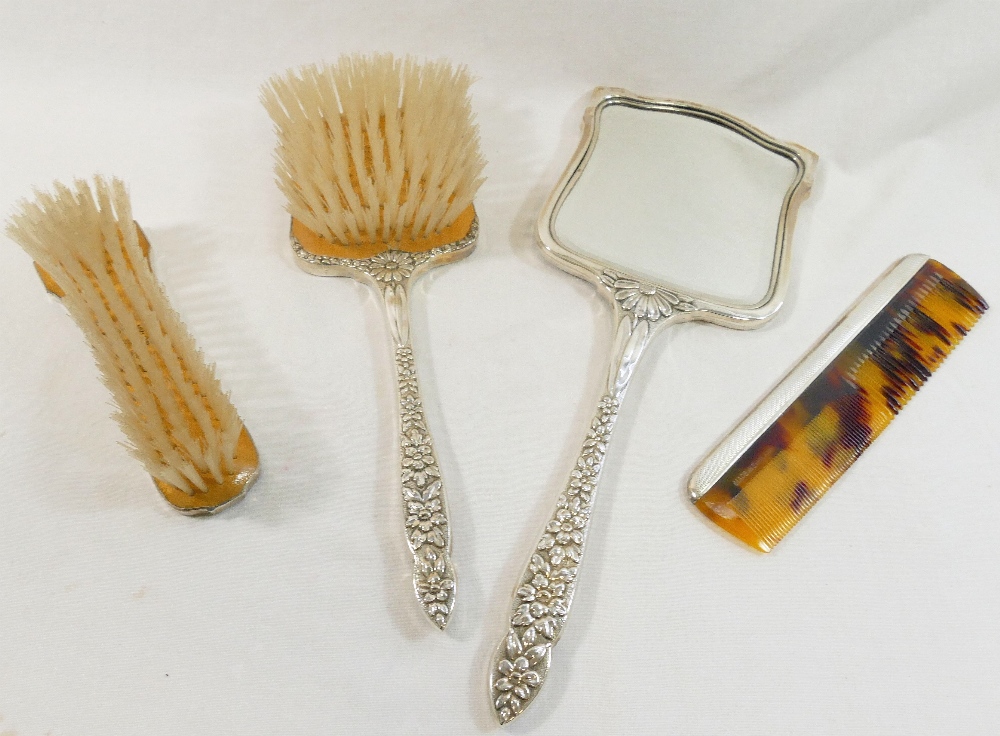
(788, 468)
(964, 296)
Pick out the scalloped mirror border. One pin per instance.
(728, 314)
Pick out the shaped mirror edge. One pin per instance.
(591, 268)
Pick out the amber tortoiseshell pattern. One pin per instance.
(813, 442)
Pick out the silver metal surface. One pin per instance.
(772, 406)
(425, 508)
(642, 307)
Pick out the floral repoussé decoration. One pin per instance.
(643, 299)
(392, 266)
(428, 533)
(426, 517)
(546, 591)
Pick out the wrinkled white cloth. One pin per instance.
(292, 613)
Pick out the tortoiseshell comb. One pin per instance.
(778, 462)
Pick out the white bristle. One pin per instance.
(373, 149)
(178, 421)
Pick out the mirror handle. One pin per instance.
(544, 595)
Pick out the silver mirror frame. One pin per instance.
(544, 593)
(727, 314)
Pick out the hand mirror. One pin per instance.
(675, 212)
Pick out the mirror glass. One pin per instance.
(680, 200)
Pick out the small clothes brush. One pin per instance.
(379, 160)
(178, 421)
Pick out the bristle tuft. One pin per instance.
(178, 421)
(375, 149)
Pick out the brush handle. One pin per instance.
(428, 534)
(544, 595)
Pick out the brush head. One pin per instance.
(807, 432)
(376, 151)
(179, 423)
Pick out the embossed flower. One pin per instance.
(643, 299)
(563, 537)
(435, 587)
(544, 604)
(581, 483)
(411, 414)
(541, 590)
(603, 423)
(543, 607)
(540, 566)
(516, 678)
(418, 458)
(541, 600)
(608, 406)
(404, 360)
(425, 519)
(567, 527)
(392, 266)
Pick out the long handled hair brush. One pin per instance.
(379, 160)
(781, 459)
(178, 422)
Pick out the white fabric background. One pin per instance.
(292, 613)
